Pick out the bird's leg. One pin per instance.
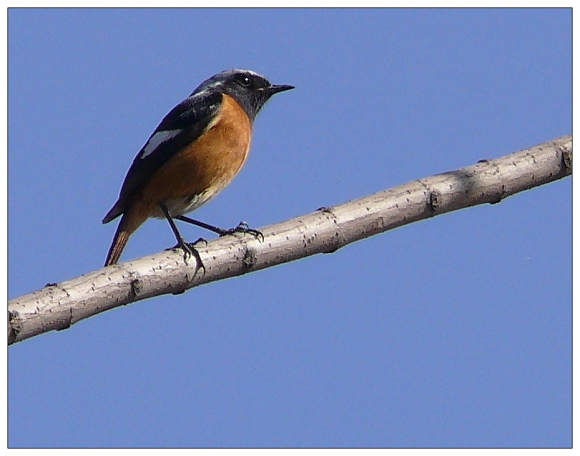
(188, 249)
(241, 228)
(203, 225)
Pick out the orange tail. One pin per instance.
(130, 221)
(119, 243)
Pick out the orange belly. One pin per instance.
(199, 172)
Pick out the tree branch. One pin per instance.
(58, 306)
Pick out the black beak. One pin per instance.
(274, 89)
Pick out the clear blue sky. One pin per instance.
(454, 331)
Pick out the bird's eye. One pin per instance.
(245, 81)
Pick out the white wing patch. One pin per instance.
(157, 139)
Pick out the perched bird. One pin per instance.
(192, 155)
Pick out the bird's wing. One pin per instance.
(180, 127)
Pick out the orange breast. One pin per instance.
(200, 171)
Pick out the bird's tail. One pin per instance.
(130, 221)
(119, 243)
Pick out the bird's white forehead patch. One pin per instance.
(241, 70)
(219, 79)
(158, 138)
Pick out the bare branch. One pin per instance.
(58, 306)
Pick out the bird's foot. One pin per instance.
(190, 250)
(244, 229)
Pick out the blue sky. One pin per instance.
(454, 331)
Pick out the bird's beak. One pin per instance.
(274, 89)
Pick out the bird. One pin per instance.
(192, 155)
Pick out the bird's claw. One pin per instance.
(244, 229)
(190, 250)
